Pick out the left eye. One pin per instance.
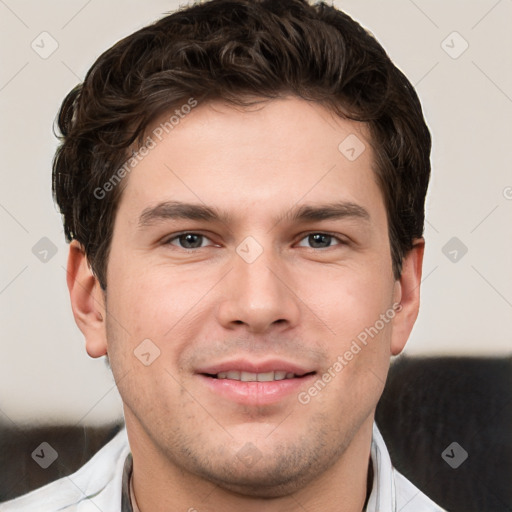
(189, 241)
(319, 240)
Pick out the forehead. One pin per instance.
(266, 157)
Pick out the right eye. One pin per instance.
(189, 240)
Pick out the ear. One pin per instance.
(87, 301)
(407, 294)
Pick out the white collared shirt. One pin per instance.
(98, 485)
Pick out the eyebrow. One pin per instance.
(171, 210)
(334, 211)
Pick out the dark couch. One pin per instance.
(428, 404)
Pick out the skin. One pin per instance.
(297, 301)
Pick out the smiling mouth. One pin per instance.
(243, 376)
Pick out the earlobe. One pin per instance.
(87, 300)
(407, 294)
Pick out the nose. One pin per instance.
(259, 295)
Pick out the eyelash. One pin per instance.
(303, 236)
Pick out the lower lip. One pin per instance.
(256, 393)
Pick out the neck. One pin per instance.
(160, 485)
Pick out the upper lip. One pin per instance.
(245, 365)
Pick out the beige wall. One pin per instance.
(45, 373)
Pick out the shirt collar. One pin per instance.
(382, 497)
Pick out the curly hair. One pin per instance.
(236, 51)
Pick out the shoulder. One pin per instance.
(391, 491)
(409, 498)
(95, 486)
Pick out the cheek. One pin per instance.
(357, 369)
(355, 309)
(159, 303)
(347, 300)
(142, 295)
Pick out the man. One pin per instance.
(243, 186)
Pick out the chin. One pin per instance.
(264, 484)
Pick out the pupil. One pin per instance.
(319, 240)
(190, 241)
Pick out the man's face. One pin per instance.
(258, 289)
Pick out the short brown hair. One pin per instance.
(233, 50)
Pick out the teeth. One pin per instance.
(248, 377)
(265, 377)
(253, 377)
